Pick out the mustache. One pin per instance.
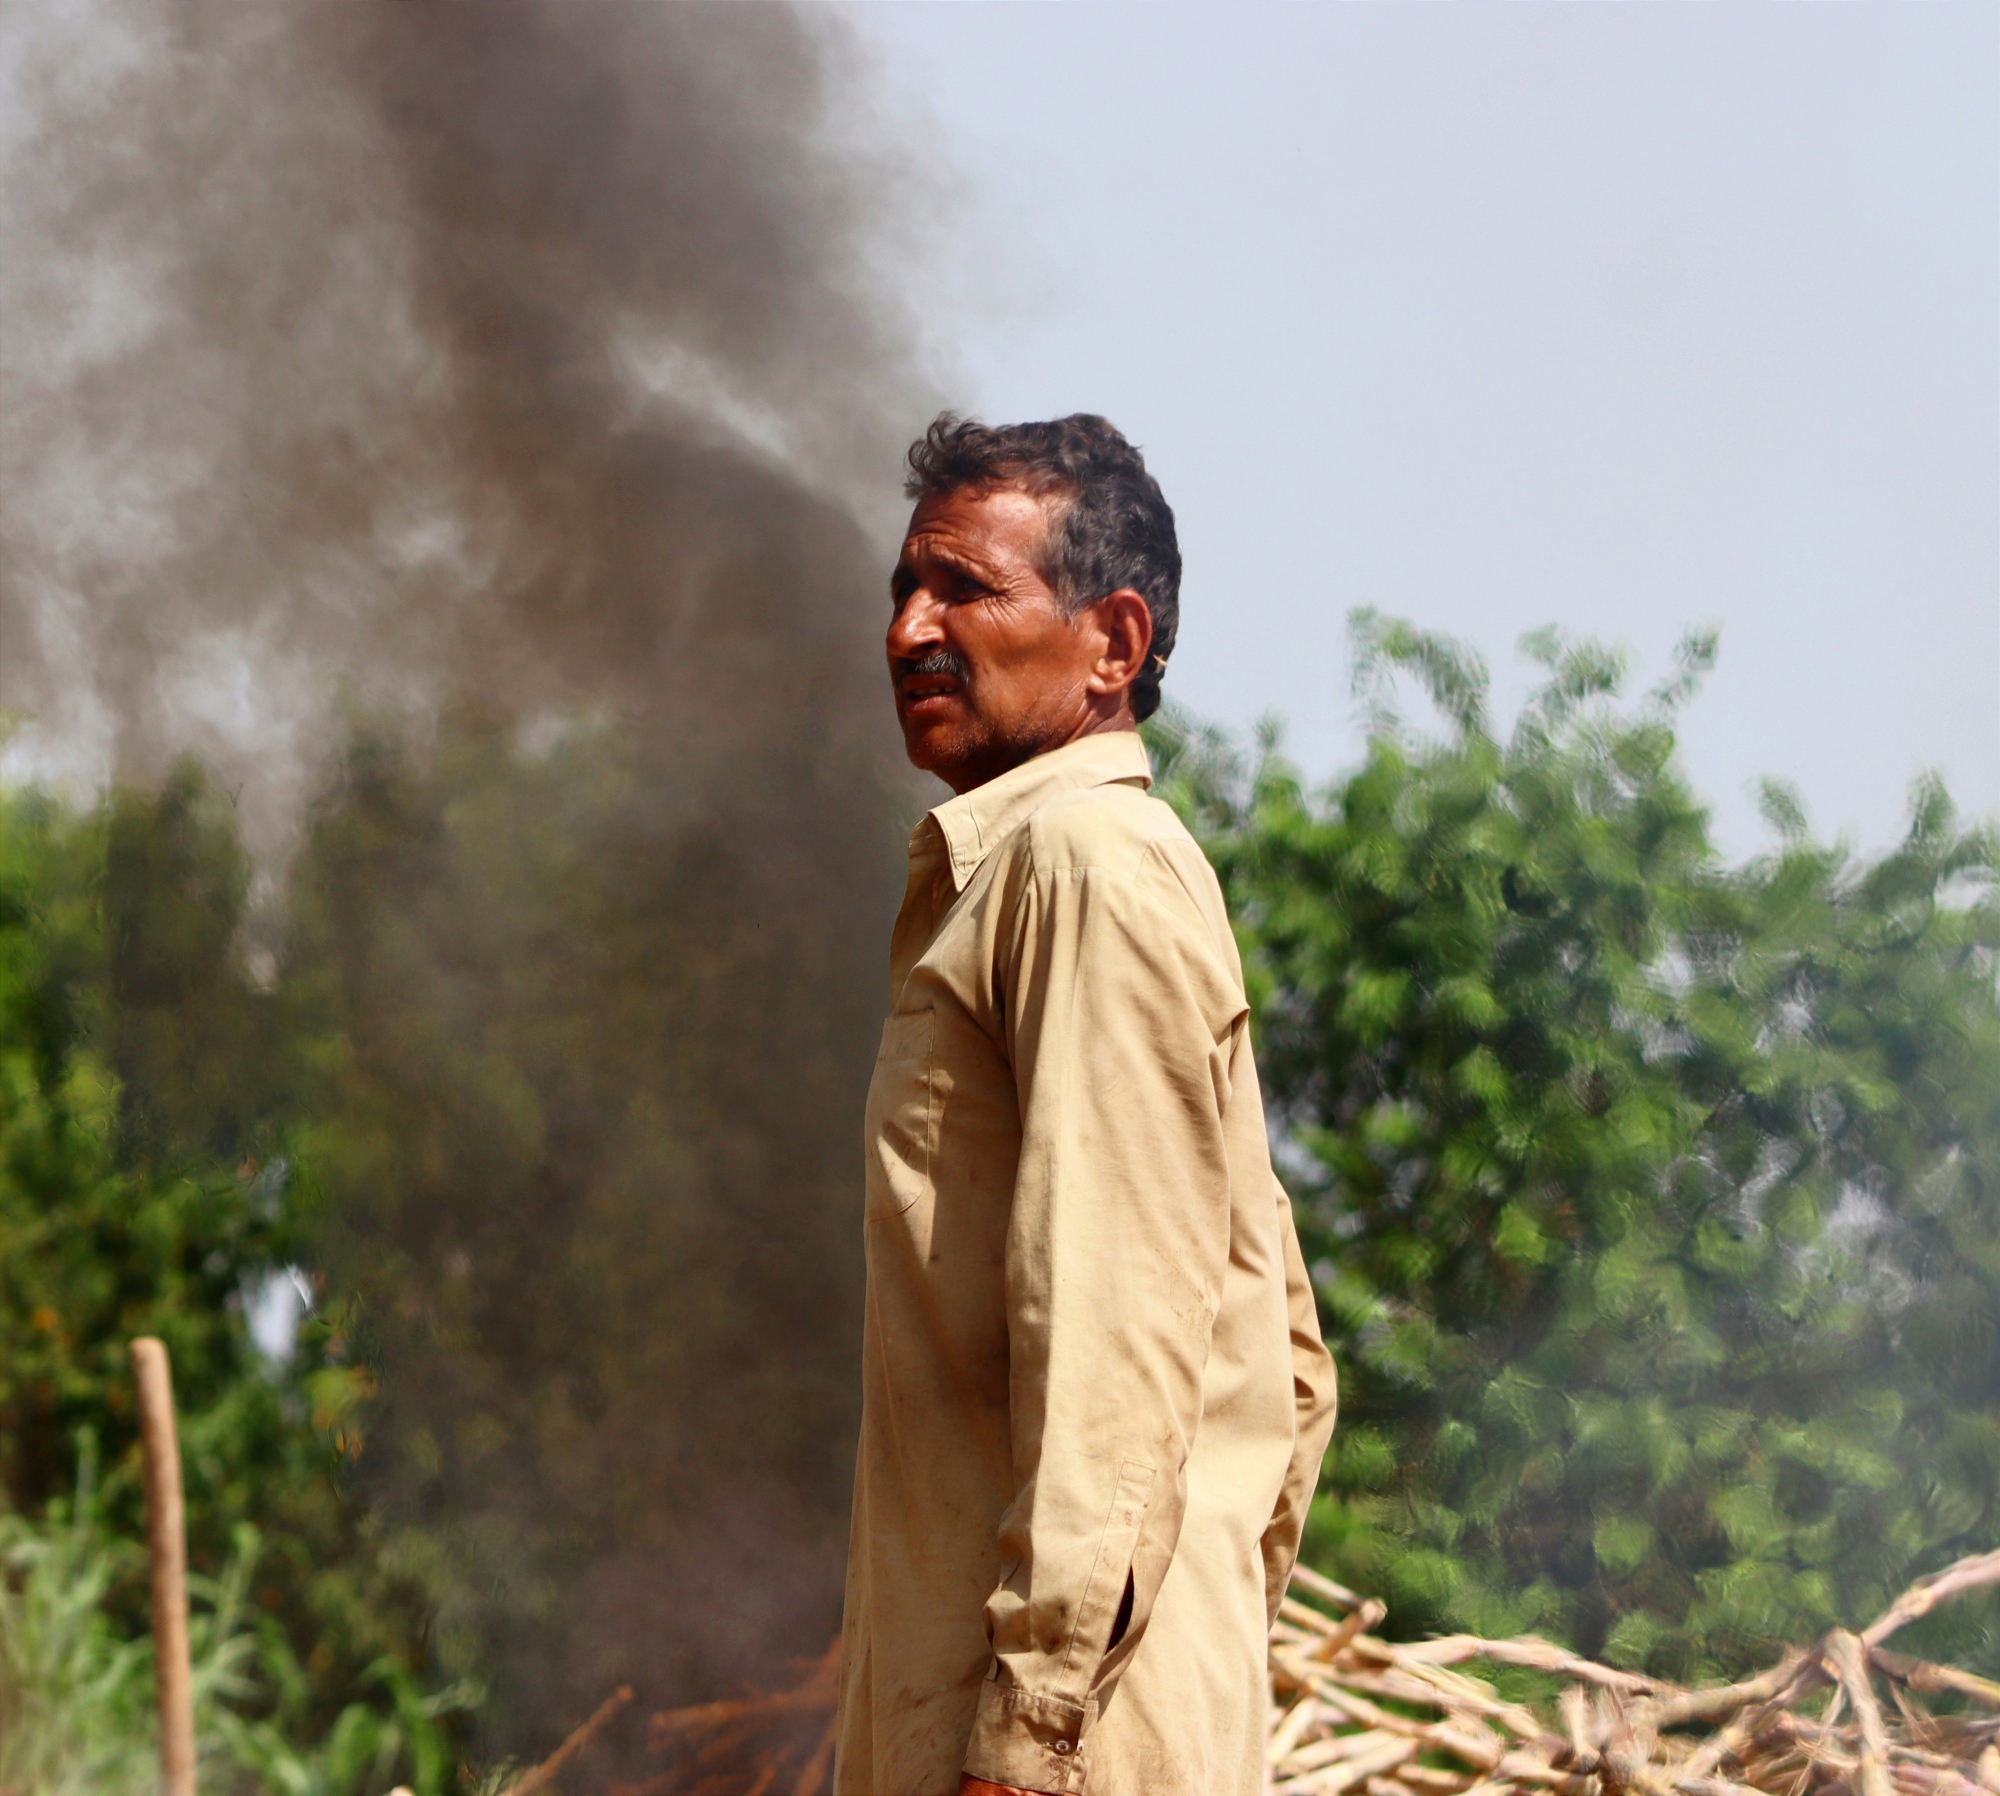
(938, 661)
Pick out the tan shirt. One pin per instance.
(1095, 1398)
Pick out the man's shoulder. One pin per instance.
(1137, 854)
(1116, 829)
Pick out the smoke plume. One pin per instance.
(465, 425)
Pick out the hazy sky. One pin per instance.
(1615, 316)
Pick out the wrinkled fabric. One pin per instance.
(1095, 1398)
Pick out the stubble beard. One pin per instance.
(976, 749)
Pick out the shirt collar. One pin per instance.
(974, 823)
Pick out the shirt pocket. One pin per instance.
(1103, 1597)
(902, 1114)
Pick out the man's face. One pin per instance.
(988, 671)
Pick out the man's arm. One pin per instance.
(1316, 1401)
(1315, 1389)
(1121, 1019)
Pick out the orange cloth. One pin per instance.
(1095, 1397)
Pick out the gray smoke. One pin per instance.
(468, 425)
(348, 345)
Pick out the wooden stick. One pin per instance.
(1850, 1659)
(1714, 1705)
(1926, 1593)
(1544, 1655)
(1920, 1674)
(1574, 1708)
(1430, 1778)
(1305, 1618)
(821, 1762)
(1292, 1729)
(1334, 1776)
(1324, 1588)
(1344, 1746)
(166, 1549)
(544, 1774)
(1359, 1622)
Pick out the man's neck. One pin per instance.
(971, 774)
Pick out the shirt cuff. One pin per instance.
(1031, 1742)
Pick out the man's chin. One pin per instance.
(945, 747)
(932, 747)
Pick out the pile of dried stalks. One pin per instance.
(1355, 1712)
(1351, 1712)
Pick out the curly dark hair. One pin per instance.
(1115, 528)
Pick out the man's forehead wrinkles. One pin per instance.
(934, 546)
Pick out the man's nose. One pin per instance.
(917, 626)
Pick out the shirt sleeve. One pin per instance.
(1121, 1022)
(1316, 1401)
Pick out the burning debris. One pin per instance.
(1351, 1711)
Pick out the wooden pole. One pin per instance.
(166, 1546)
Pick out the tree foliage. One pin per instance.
(144, 1190)
(77, 1715)
(1654, 1203)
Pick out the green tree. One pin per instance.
(108, 1228)
(144, 1190)
(1654, 1204)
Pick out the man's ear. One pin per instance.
(1125, 630)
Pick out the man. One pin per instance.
(1095, 1397)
